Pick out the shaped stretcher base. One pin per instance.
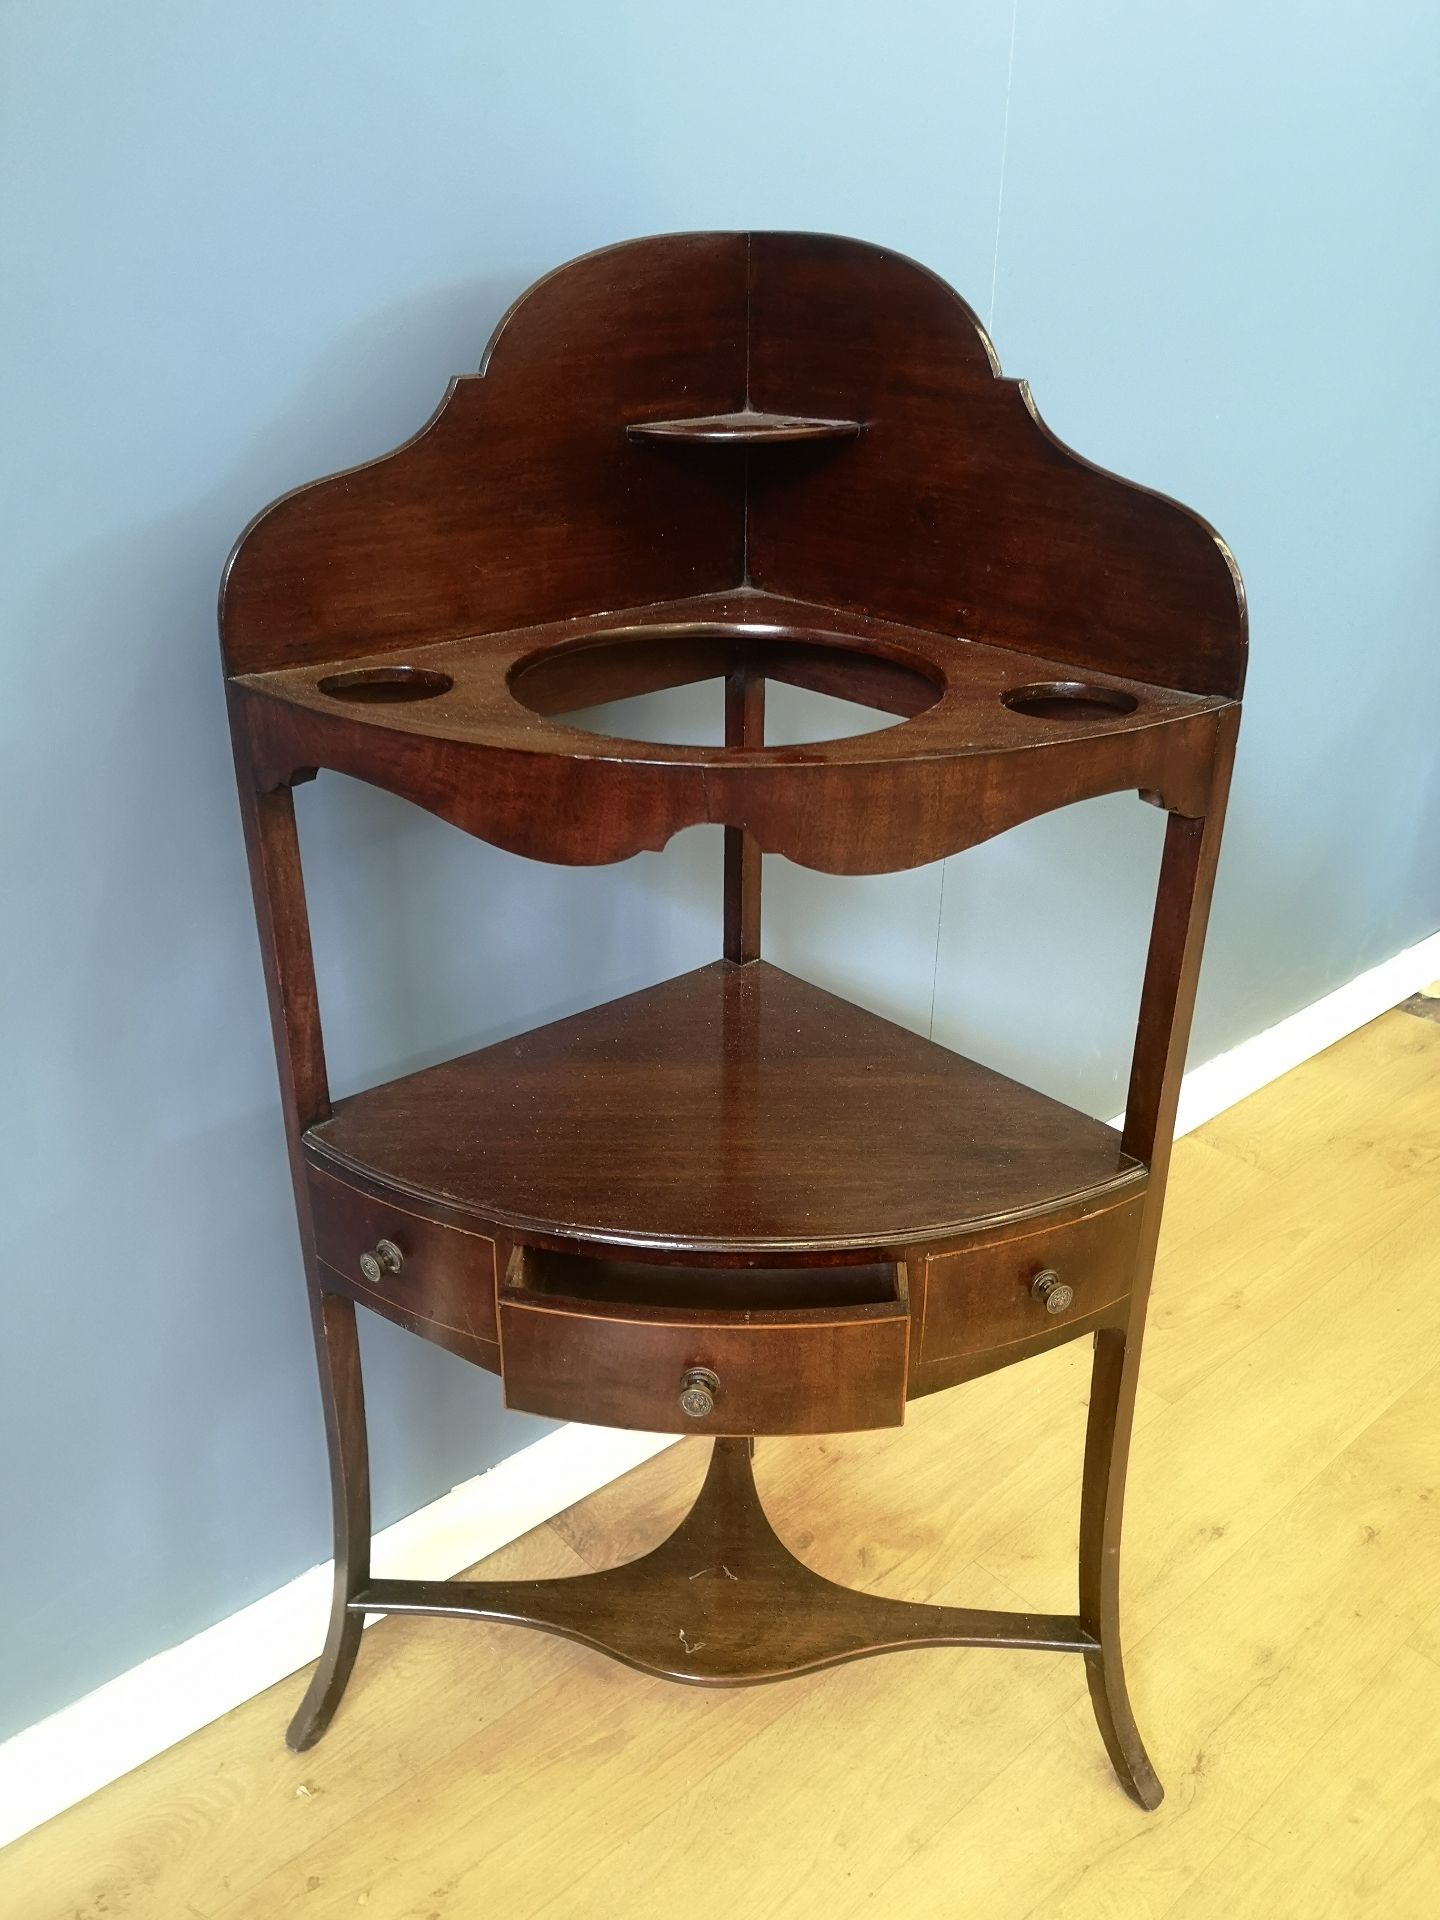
(723, 1601)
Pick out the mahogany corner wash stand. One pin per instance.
(733, 1204)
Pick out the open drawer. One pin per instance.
(672, 1349)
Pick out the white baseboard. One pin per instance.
(50, 1766)
(1229, 1077)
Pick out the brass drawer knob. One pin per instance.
(383, 1258)
(698, 1388)
(1051, 1291)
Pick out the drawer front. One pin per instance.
(981, 1298)
(833, 1370)
(445, 1276)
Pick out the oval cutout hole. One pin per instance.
(386, 683)
(625, 663)
(1069, 700)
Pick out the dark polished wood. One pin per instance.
(984, 1299)
(436, 1271)
(747, 428)
(1167, 1001)
(744, 860)
(343, 1398)
(278, 885)
(808, 1367)
(527, 499)
(507, 508)
(736, 1112)
(988, 525)
(724, 1602)
(733, 1204)
(487, 753)
(815, 1370)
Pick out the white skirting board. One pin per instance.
(50, 1766)
(1230, 1077)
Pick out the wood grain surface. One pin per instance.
(1282, 1572)
(737, 1110)
(660, 432)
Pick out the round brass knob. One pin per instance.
(383, 1258)
(698, 1388)
(1051, 1291)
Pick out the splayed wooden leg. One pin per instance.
(1107, 1446)
(337, 1351)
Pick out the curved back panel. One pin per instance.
(528, 498)
(956, 508)
(522, 500)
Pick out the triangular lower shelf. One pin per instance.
(723, 1601)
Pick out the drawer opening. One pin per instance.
(684, 1349)
(639, 1283)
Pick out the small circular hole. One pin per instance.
(386, 683)
(1069, 700)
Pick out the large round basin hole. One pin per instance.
(386, 683)
(1069, 700)
(574, 683)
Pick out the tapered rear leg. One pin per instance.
(1107, 1448)
(337, 1350)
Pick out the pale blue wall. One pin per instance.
(246, 243)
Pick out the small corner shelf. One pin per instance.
(733, 1204)
(746, 428)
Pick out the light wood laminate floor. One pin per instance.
(1282, 1594)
